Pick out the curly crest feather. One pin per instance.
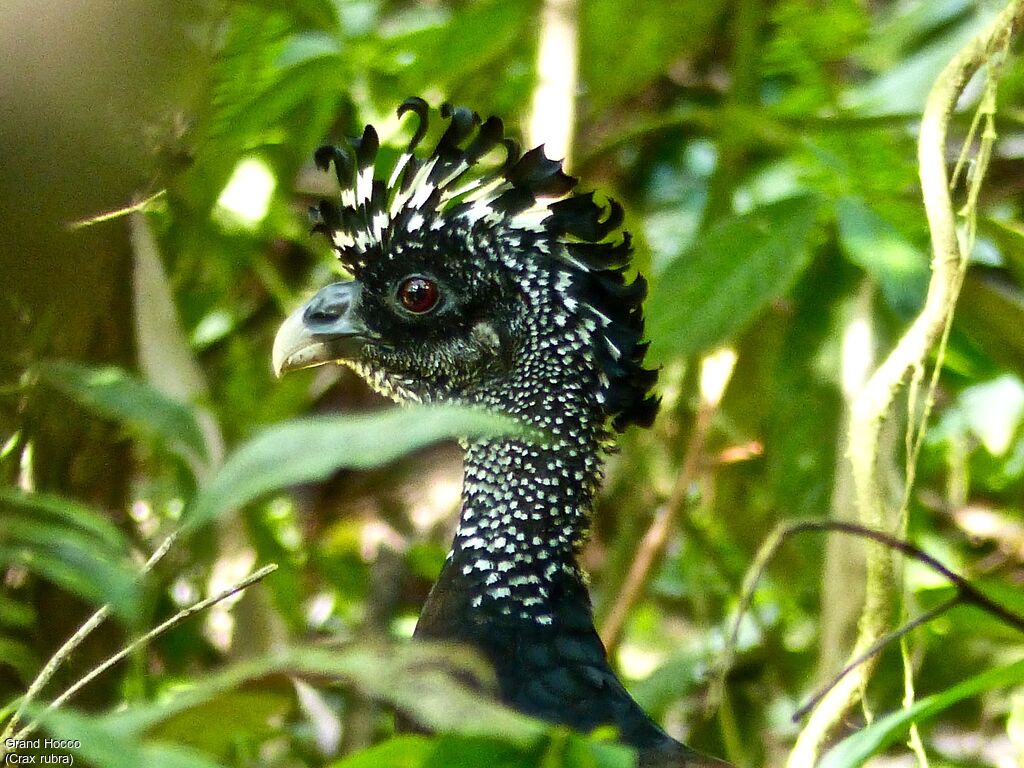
(529, 195)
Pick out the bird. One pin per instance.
(483, 277)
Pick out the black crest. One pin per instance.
(526, 193)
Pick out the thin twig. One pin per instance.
(160, 629)
(911, 625)
(118, 213)
(971, 594)
(654, 540)
(69, 646)
(966, 593)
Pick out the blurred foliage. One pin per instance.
(765, 152)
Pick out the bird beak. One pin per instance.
(324, 330)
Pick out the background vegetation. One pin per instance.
(765, 153)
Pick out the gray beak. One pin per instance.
(324, 330)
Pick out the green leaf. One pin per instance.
(15, 614)
(901, 26)
(294, 86)
(19, 657)
(103, 746)
(991, 311)
(458, 47)
(656, 42)
(252, 714)
(318, 14)
(854, 750)
(69, 544)
(590, 752)
(714, 289)
(459, 750)
(8, 709)
(564, 750)
(66, 512)
(443, 751)
(801, 452)
(307, 450)
(437, 689)
(407, 751)
(1008, 237)
(904, 87)
(874, 244)
(70, 563)
(114, 394)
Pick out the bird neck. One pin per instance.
(526, 506)
(525, 514)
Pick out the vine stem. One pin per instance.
(876, 400)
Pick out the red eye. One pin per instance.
(418, 294)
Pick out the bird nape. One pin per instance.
(497, 285)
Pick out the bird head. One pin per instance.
(492, 284)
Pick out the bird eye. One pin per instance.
(418, 294)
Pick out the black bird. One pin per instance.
(498, 286)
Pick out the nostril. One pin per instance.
(322, 314)
(330, 308)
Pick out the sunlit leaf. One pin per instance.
(115, 394)
(903, 87)
(306, 450)
(855, 750)
(291, 88)
(448, 52)
(901, 26)
(1015, 722)
(993, 411)
(724, 281)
